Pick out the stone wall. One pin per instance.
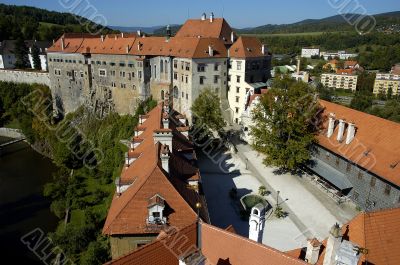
(30, 77)
(10, 133)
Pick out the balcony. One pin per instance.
(155, 224)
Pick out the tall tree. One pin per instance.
(36, 57)
(21, 54)
(286, 121)
(206, 110)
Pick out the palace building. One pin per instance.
(117, 71)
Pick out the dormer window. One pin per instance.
(156, 210)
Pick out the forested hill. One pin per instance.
(334, 23)
(40, 24)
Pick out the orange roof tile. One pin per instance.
(128, 212)
(378, 232)
(217, 246)
(345, 71)
(219, 28)
(154, 46)
(246, 47)
(376, 144)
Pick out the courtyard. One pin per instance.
(310, 212)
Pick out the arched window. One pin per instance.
(255, 211)
(176, 94)
(162, 94)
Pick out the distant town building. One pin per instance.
(342, 55)
(7, 55)
(351, 65)
(160, 185)
(309, 52)
(341, 80)
(385, 82)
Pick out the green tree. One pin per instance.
(286, 121)
(36, 57)
(206, 110)
(21, 54)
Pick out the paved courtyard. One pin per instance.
(310, 211)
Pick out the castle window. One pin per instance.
(202, 78)
(122, 64)
(175, 64)
(123, 85)
(187, 66)
(121, 74)
(387, 189)
(372, 182)
(239, 65)
(175, 92)
(161, 66)
(175, 76)
(201, 68)
(216, 67)
(238, 79)
(134, 87)
(216, 79)
(102, 72)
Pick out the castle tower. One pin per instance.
(256, 223)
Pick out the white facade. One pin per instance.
(309, 52)
(337, 81)
(385, 81)
(241, 82)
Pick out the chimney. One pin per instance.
(333, 244)
(312, 253)
(102, 38)
(118, 186)
(127, 49)
(139, 33)
(62, 43)
(164, 156)
(210, 51)
(212, 17)
(342, 124)
(169, 33)
(163, 136)
(298, 65)
(115, 37)
(232, 37)
(139, 46)
(257, 222)
(165, 121)
(263, 49)
(204, 16)
(122, 35)
(331, 124)
(351, 131)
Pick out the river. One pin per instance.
(23, 173)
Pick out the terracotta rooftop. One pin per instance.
(141, 46)
(376, 144)
(219, 29)
(218, 246)
(128, 212)
(345, 71)
(377, 232)
(350, 63)
(246, 47)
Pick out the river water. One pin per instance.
(23, 173)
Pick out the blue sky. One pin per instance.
(239, 13)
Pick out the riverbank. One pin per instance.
(23, 174)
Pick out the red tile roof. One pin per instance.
(345, 71)
(377, 232)
(128, 212)
(246, 47)
(155, 46)
(217, 246)
(376, 144)
(219, 29)
(348, 64)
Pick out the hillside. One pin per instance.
(328, 24)
(40, 24)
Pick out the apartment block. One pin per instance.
(384, 82)
(340, 81)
